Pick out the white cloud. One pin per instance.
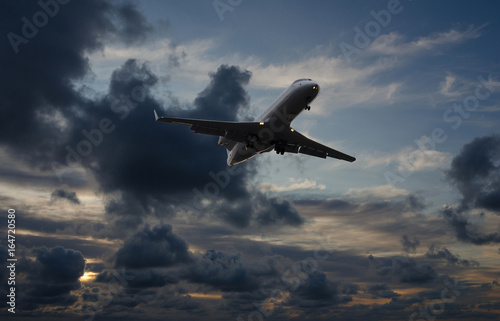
(296, 185)
(382, 191)
(341, 85)
(446, 85)
(420, 160)
(393, 43)
(410, 158)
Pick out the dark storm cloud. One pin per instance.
(181, 168)
(264, 210)
(131, 26)
(227, 272)
(156, 247)
(388, 214)
(146, 254)
(416, 202)
(278, 211)
(242, 281)
(141, 167)
(350, 288)
(405, 270)
(316, 290)
(91, 248)
(32, 222)
(490, 285)
(238, 214)
(223, 98)
(465, 231)
(381, 291)
(146, 160)
(447, 255)
(61, 193)
(36, 90)
(475, 172)
(408, 245)
(137, 278)
(51, 276)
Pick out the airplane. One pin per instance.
(269, 131)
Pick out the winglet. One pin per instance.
(156, 115)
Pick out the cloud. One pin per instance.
(226, 272)
(132, 26)
(136, 278)
(109, 135)
(382, 191)
(342, 85)
(393, 43)
(408, 245)
(172, 174)
(277, 211)
(61, 193)
(447, 85)
(416, 202)
(465, 231)
(409, 159)
(475, 172)
(405, 270)
(40, 78)
(447, 255)
(297, 184)
(350, 288)
(104, 138)
(403, 214)
(453, 87)
(382, 291)
(316, 290)
(156, 247)
(51, 277)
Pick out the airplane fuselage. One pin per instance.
(279, 115)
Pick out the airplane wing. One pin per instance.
(308, 146)
(239, 132)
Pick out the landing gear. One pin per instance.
(280, 148)
(308, 100)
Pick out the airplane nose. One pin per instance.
(315, 89)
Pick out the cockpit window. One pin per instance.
(301, 79)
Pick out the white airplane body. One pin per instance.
(270, 130)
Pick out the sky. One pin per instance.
(118, 217)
